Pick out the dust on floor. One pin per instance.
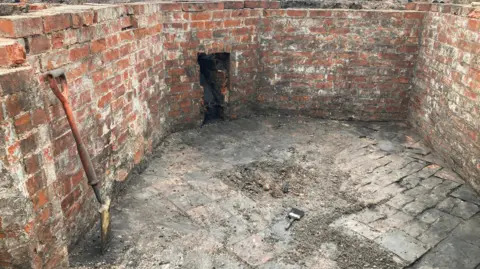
(218, 197)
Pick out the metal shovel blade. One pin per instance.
(105, 225)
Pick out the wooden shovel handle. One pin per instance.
(82, 151)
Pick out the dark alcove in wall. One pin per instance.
(214, 78)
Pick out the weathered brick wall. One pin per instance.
(337, 63)
(113, 57)
(190, 29)
(445, 106)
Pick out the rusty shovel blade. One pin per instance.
(105, 225)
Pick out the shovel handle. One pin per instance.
(82, 151)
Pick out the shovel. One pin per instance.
(59, 75)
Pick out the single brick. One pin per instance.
(234, 4)
(39, 44)
(15, 80)
(20, 26)
(11, 53)
(57, 22)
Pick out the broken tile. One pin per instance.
(403, 245)
(411, 181)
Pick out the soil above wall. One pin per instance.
(344, 4)
(340, 4)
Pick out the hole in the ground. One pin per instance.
(263, 179)
(214, 78)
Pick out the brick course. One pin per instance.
(133, 77)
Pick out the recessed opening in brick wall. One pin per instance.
(214, 78)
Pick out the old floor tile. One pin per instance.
(255, 250)
(447, 205)
(368, 215)
(400, 200)
(360, 228)
(417, 191)
(431, 182)
(279, 265)
(469, 231)
(414, 208)
(403, 245)
(171, 186)
(445, 187)
(188, 199)
(213, 188)
(439, 230)
(414, 228)
(431, 215)
(467, 194)
(459, 208)
(395, 221)
(232, 230)
(208, 214)
(451, 253)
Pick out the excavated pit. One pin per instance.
(215, 197)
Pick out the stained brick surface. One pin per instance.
(445, 105)
(338, 64)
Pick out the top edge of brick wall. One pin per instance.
(452, 9)
(61, 17)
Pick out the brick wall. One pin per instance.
(337, 63)
(190, 29)
(133, 77)
(113, 58)
(445, 106)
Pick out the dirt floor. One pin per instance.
(218, 197)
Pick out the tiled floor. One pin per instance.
(217, 197)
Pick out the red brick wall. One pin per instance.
(445, 106)
(339, 63)
(190, 29)
(113, 57)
